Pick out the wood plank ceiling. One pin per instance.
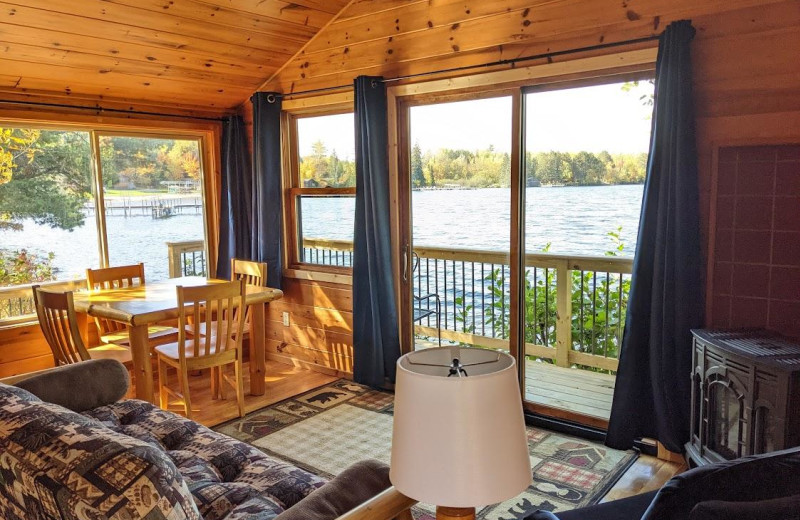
(403, 37)
(210, 54)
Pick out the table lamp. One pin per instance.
(459, 437)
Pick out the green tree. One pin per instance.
(587, 168)
(49, 180)
(417, 174)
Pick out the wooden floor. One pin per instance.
(647, 474)
(282, 380)
(579, 391)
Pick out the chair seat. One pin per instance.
(111, 351)
(171, 350)
(156, 334)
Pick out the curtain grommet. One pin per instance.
(271, 98)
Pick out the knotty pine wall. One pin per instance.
(747, 90)
(746, 73)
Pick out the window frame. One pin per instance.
(206, 134)
(293, 111)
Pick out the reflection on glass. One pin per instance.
(724, 421)
(460, 166)
(326, 146)
(325, 230)
(47, 220)
(154, 204)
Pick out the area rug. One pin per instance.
(329, 428)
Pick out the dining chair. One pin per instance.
(216, 308)
(253, 273)
(122, 277)
(59, 324)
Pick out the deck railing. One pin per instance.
(574, 305)
(187, 258)
(16, 302)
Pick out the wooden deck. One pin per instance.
(570, 389)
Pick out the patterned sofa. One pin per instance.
(127, 460)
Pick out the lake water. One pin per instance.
(574, 220)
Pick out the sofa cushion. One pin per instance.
(352, 487)
(228, 478)
(81, 386)
(776, 475)
(783, 508)
(54, 461)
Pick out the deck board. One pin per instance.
(579, 391)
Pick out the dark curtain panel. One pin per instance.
(376, 344)
(235, 205)
(267, 232)
(652, 395)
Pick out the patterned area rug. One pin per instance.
(329, 428)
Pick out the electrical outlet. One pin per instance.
(285, 319)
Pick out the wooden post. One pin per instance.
(563, 314)
(455, 513)
(257, 349)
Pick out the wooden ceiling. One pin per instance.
(403, 37)
(211, 54)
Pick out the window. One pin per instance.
(323, 191)
(153, 195)
(54, 224)
(47, 227)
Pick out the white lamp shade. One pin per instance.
(459, 441)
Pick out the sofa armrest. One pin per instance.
(783, 508)
(731, 481)
(388, 505)
(356, 486)
(80, 386)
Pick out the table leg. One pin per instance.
(258, 367)
(142, 366)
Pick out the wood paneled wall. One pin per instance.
(747, 90)
(747, 85)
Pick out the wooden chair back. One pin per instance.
(253, 273)
(118, 277)
(56, 312)
(217, 307)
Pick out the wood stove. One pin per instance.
(745, 394)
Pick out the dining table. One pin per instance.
(141, 306)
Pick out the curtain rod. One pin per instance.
(510, 61)
(102, 109)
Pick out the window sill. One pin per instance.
(18, 323)
(318, 276)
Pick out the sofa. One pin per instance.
(763, 487)
(72, 448)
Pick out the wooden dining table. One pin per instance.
(141, 306)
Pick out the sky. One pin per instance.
(592, 119)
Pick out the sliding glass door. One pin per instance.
(546, 179)
(460, 164)
(585, 157)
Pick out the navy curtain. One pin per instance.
(652, 395)
(376, 343)
(267, 228)
(235, 205)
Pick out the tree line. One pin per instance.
(490, 168)
(483, 168)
